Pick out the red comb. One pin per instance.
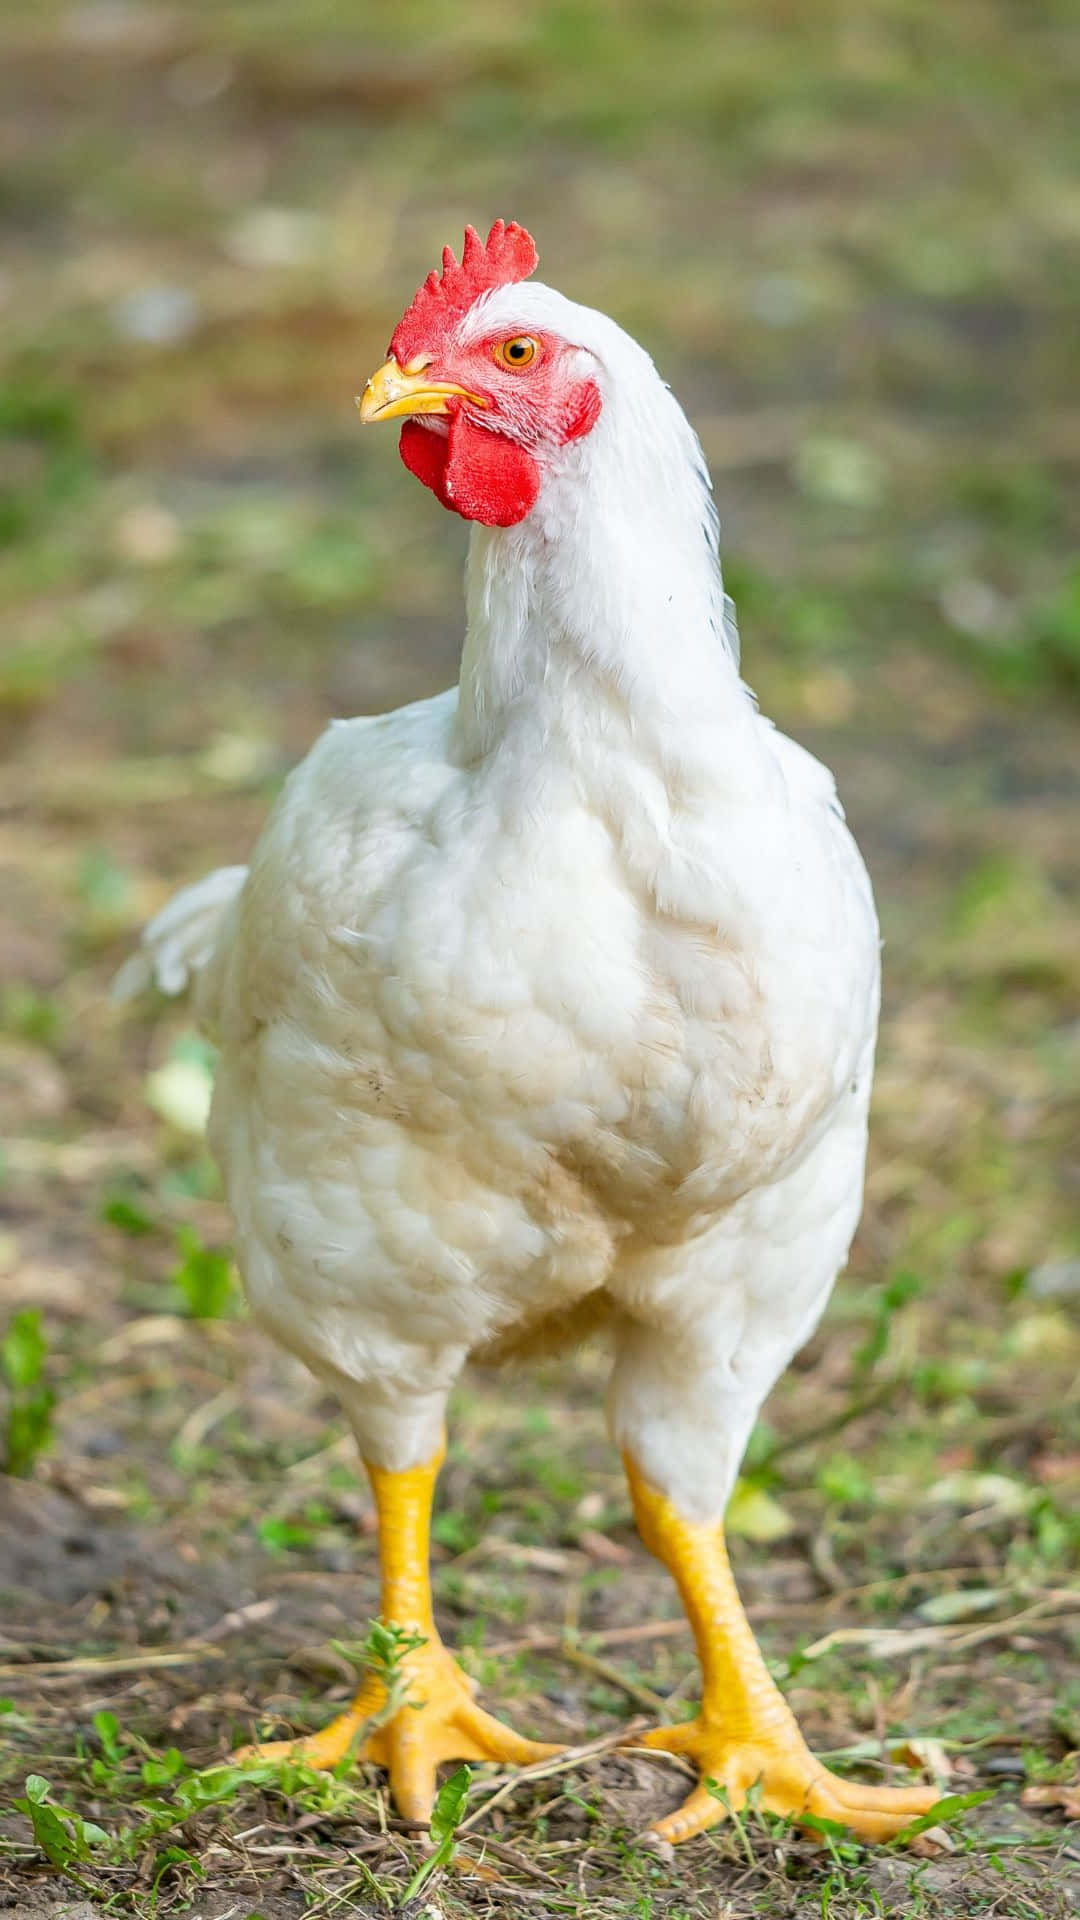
(508, 254)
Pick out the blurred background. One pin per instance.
(849, 236)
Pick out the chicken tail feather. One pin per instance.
(181, 939)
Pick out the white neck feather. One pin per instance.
(607, 601)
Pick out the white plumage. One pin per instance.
(559, 987)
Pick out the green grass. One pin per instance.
(27, 1428)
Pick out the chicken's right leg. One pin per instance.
(438, 1719)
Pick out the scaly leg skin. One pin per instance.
(745, 1735)
(439, 1719)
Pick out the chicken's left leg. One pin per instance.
(681, 1412)
(745, 1736)
(439, 1719)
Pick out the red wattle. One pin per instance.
(424, 453)
(481, 475)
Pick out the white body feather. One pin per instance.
(562, 984)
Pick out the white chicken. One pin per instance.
(551, 1003)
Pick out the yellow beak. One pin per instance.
(394, 391)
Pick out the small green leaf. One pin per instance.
(829, 1829)
(52, 1835)
(281, 1536)
(107, 1727)
(204, 1276)
(29, 1430)
(845, 1481)
(384, 1648)
(943, 1810)
(174, 1857)
(50, 1830)
(28, 1426)
(120, 1211)
(449, 1805)
(902, 1288)
(445, 1820)
(30, 1014)
(22, 1350)
(158, 1773)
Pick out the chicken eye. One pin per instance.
(519, 352)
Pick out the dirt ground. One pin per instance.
(849, 236)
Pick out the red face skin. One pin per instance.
(486, 462)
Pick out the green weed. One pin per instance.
(28, 1425)
(383, 1652)
(30, 1014)
(203, 1278)
(121, 1209)
(901, 1289)
(65, 1838)
(446, 1817)
(281, 1536)
(844, 1480)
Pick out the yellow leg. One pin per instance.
(745, 1735)
(439, 1719)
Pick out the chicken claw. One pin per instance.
(788, 1779)
(438, 1721)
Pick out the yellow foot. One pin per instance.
(789, 1780)
(439, 1721)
